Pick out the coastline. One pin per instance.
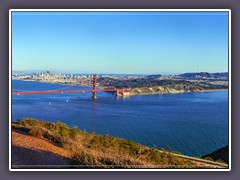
(47, 82)
(204, 91)
(214, 90)
(170, 91)
(131, 94)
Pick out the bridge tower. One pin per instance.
(94, 86)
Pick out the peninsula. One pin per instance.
(138, 84)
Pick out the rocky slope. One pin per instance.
(164, 90)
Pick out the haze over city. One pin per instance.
(120, 42)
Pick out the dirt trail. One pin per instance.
(32, 151)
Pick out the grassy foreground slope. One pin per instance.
(88, 150)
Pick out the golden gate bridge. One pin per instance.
(118, 92)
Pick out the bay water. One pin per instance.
(194, 124)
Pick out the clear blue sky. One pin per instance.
(120, 42)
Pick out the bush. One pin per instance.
(30, 122)
(85, 158)
(154, 154)
(63, 129)
(52, 137)
(208, 158)
(220, 161)
(132, 147)
(176, 152)
(74, 132)
(96, 160)
(48, 125)
(37, 131)
(19, 121)
(97, 142)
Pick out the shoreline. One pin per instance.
(214, 90)
(154, 93)
(65, 84)
(180, 92)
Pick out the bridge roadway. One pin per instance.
(63, 91)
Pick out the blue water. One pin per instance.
(192, 123)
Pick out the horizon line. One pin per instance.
(111, 73)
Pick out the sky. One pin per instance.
(120, 42)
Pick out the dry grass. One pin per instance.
(95, 151)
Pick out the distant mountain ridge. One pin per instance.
(154, 76)
(204, 75)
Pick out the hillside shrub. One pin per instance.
(37, 131)
(30, 122)
(62, 129)
(208, 158)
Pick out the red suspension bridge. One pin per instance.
(119, 92)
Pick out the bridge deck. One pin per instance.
(62, 91)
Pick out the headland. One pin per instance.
(138, 84)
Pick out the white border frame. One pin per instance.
(119, 10)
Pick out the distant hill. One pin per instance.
(154, 76)
(220, 154)
(204, 75)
